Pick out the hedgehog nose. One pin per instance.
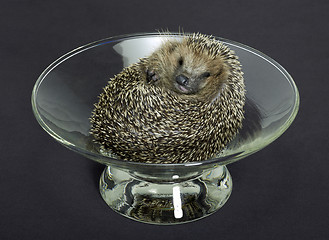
(182, 80)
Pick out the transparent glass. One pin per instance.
(63, 99)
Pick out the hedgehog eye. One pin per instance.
(205, 75)
(180, 61)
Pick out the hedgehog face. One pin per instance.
(186, 71)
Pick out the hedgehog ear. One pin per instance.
(172, 47)
(220, 71)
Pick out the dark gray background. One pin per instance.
(49, 192)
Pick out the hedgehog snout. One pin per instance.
(182, 80)
(186, 85)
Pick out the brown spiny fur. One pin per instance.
(144, 116)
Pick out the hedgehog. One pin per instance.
(183, 103)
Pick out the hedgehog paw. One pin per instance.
(151, 76)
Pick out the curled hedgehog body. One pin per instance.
(183, 103)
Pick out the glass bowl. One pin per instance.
(63, 98)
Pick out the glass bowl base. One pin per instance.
(162, 201)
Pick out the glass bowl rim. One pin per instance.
(118, 162)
